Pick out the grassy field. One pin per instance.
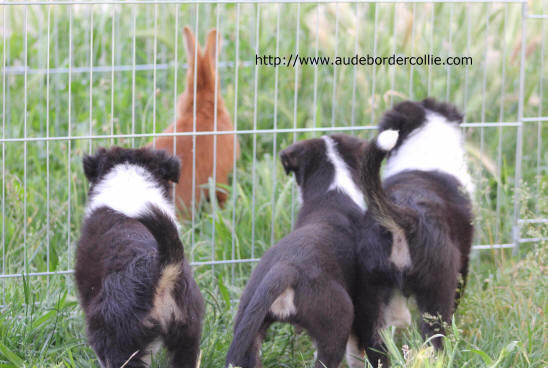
(502, 320)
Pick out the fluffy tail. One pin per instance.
(387, 213)
(248, 327)
(164, 230)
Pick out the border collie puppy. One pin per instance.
(418, 229)
(134, 284)
(308, 278)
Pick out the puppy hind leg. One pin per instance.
(329, 324)
(113, 351)
(463, 277)
(436, 307)
(369, 319)
(376, 355)
(185, 356)
(373, 345)
(253, 354)
(251, 357)
(354, 355)
(183, 345)
(115, 358)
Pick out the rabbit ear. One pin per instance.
(213, 45)
(190, 44)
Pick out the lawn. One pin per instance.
(502, 320)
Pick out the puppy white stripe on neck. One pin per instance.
(343, 179)
(129, 189)
(436, 145)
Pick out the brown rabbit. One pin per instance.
(205, 120)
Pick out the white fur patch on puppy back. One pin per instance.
(387, 139)
(436, 145)
(343, 179)
(129, 189)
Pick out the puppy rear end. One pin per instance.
(255, 306)
(134, 284)
(418, 228)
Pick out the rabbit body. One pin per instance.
(201, 97)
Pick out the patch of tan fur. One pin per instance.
(354, 356)
(199, 361)
(164, 308)
(152, 348)
(396, 313)
(400, 250)
(283, 306)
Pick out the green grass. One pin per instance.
(502, 320)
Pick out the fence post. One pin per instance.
(516, 233)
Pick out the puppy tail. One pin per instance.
(164, 230)
(248, 326)
(387, 213)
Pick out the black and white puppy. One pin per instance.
(418, 229)
(134, 284)
(308, 278)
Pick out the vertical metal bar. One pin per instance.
(134, 10)
(540, 110)
(40, 57)
(25, 260)
(334, 93)
(195, 77)
(295, 102)
(466, 68)
(56, 42)
(90, 76)
(69, 143)
(40, 52)
(484, 80)
(254, 163)
(393, 67)
(275, 137)
(519, 144)
(500, 131)
(373, 76)
(316, 50)
(429, 83)
(47, 149)
(175, 80)
(113, 41)
(154, 73)
(213, 197)
(357, 23)
(483, 103)
(448, 69)
(411, 69)
(235, 141)
(5, 51)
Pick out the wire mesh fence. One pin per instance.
(78, 75)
